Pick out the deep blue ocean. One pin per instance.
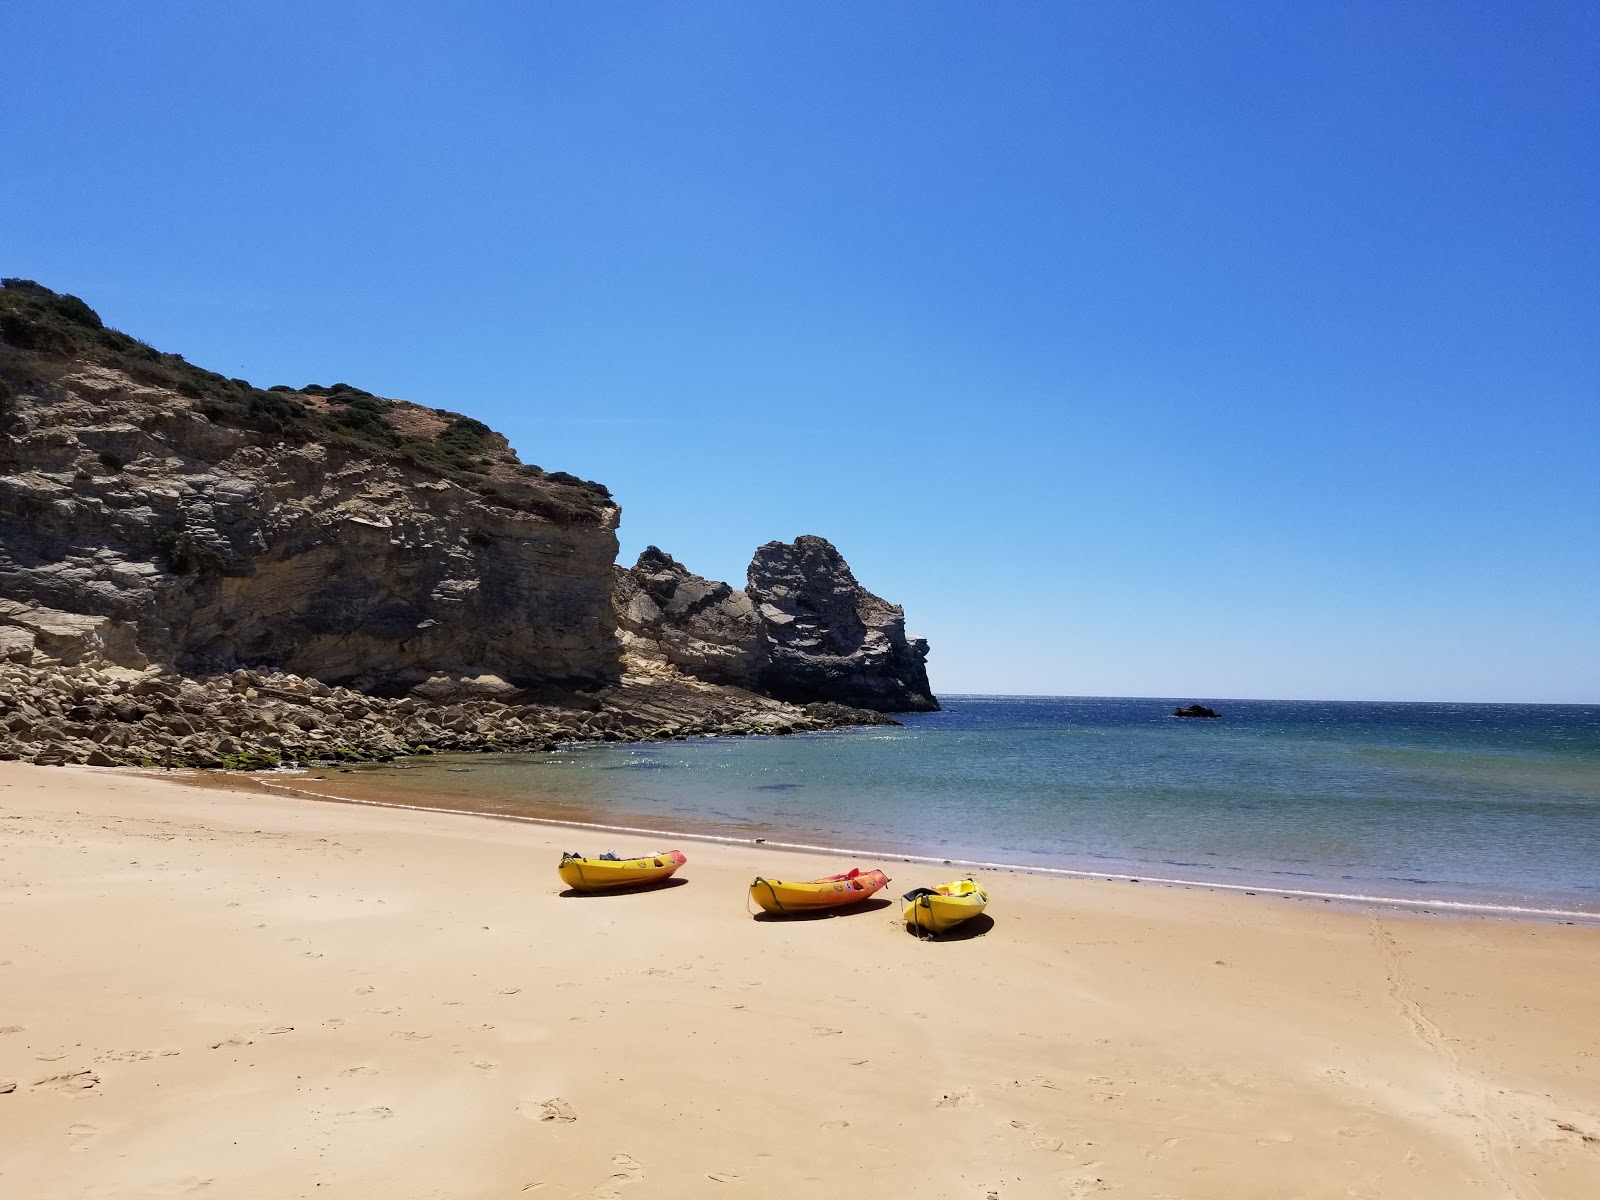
(1494, 804)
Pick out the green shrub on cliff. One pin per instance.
(47, 332)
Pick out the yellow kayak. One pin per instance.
(598, 874)
(940, 909)
(835, 891)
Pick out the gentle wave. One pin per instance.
(1454, 906)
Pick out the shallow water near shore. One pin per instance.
(1482, 804)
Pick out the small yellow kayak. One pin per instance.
(608, 871)
(835, 891)
(940, 909)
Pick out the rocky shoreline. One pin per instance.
(108, 716)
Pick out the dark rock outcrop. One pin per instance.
(804, 631)
(827, 637)
(1196, 710)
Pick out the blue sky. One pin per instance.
(1192, 349)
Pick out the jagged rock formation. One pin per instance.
(829, 638)
(804, 631)
(707, 630)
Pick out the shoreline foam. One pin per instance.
(1454, 907)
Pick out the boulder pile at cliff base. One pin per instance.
(97, 715)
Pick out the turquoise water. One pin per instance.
(1492, 804)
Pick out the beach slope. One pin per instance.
(261, 996)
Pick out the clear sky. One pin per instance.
(1192, 349)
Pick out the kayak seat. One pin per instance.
(914, 893)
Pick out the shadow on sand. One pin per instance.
(660, 885)
(974, 927)
(860, 906)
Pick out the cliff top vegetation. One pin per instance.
(44, 335)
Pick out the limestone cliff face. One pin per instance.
(705, 629)
(153, 513)
(199, 572)
(828, 638)
(804, 631)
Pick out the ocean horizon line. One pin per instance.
(1195, 697)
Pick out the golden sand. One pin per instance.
(219, 993)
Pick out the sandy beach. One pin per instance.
(207, 992)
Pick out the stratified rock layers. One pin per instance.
(804, 631)
(197, 571)
(826, 637)
(208, 547)
(667, 614)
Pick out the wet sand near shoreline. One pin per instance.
(231, 991)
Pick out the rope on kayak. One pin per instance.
(772, 890)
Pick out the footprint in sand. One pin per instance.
(73, 1081)
(82, 1136)
(483, 1064)
(232, 1042)
(378, 1112)
(126, 1056)
(275, 1029)
(7, 1086)
(957, 1099)
(724, 1177)
(11, 1029)
(554, 1109)
(627, 1169)
(836, 1124)
(412, 1035)
(365, 989)
(825, 1030)
(362, 1070)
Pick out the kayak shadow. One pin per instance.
(844, 910)
(973, 927)
(659, 885)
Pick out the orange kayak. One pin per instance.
(835, 891)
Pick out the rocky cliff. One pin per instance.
(828, 638)
(209, 525)
(705, 629)
(804, 630)
(195, 570)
